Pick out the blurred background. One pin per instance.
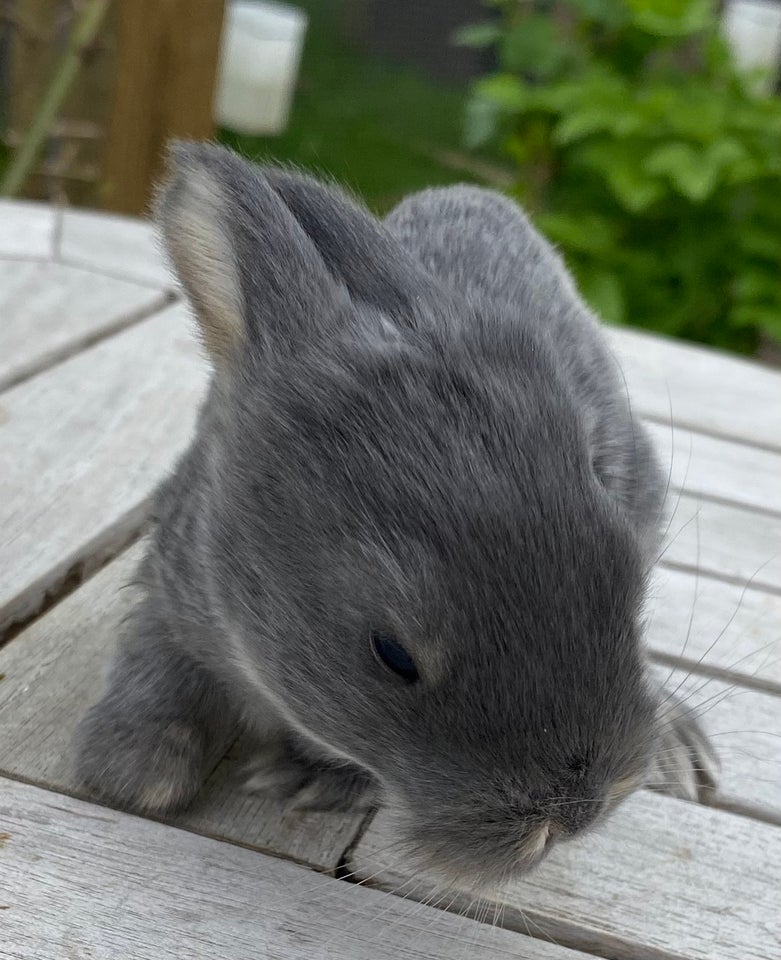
(642, 136)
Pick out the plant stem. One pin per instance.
(84, 30)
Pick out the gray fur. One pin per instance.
(419, 430)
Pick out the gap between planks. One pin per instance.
(96, 892)
(203, 827)
(664, 880)
(57, 356)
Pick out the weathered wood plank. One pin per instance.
(706, 390)
(54, 670)
(83, 446)
(26, 229)
(50, 311)
(719, 469)
(663, 880)
(734, 632)
(81, 881)
(121, 246)
(725, 541)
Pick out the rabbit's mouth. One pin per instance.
(538, 842)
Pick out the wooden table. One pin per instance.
(100, 376)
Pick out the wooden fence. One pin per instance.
(148, 76)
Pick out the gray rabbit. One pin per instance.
(408, 546)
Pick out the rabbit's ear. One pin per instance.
(253, 276)
(358, 250)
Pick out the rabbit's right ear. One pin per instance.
(256, 280)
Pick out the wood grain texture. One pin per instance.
(26, 229)
(79, 881)
(53, 672)
(705, 389)
(120, 246)
(83, 446)
(50, 311)
(719, 469)
(715, 627)
(724, 541)
(662, 880)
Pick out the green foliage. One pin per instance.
(645, 156)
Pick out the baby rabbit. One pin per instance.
(409, 543)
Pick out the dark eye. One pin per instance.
(391, 654)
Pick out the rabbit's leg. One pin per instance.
(685, 764)
(162, 718)
(288, 771)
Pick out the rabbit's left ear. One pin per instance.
(361, 252)
(254, 277)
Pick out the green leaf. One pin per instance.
(673, 18)
(769, 322)
(603, 292)
(595, 119)
(635, 191)
(617, 163)
(756, 284)
(477, 35)
(534, 46)
(694, 172)
(767, 319)
(612, 14)
(759, 242)
(505, 91)
(695, 111)
(587, 233)
(481, 122)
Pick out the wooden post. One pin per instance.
(70, 166)
(166, 66)
(82, 35)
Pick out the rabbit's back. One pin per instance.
(482, 245)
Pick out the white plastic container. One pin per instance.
(753, 30)
(259, 56)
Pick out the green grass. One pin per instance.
(375, 126)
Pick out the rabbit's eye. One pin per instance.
(392, 655)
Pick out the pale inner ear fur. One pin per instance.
(192, 214)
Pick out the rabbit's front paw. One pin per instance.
(283, 771)
(685, 764)
(147, 765)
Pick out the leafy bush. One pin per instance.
(645, 156)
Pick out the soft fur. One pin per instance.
(414, 427)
